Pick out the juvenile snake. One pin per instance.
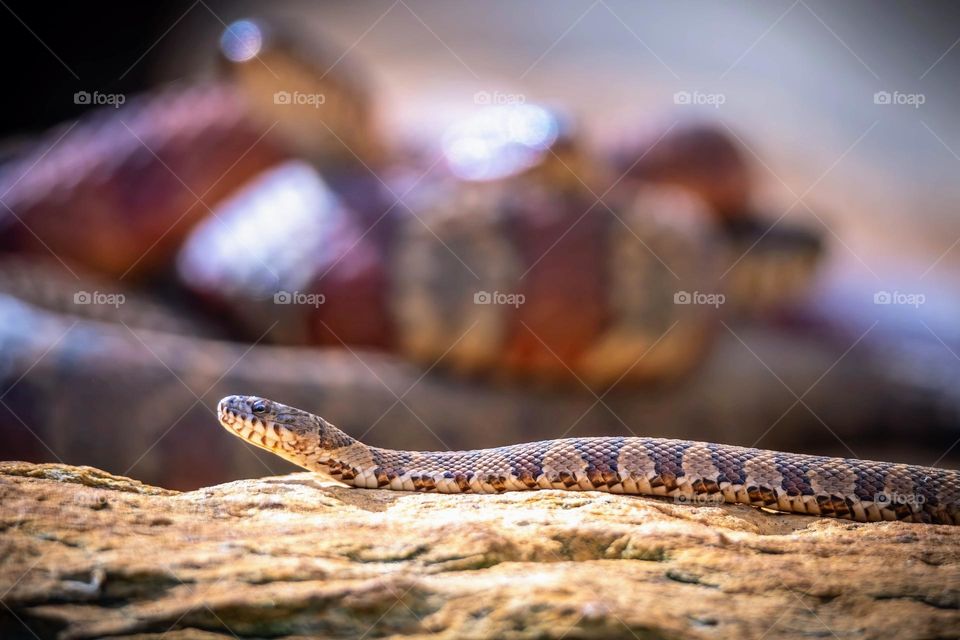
(686, 471)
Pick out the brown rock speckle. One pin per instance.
(84, 554)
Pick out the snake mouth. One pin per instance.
(235, 415)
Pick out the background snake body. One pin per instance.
(686, 471)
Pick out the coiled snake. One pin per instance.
(686, 471)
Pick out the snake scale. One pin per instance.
(686, 471)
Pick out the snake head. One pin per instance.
(265, 423)
(294, 434)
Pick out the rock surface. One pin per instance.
(84, 554)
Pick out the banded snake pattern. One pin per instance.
(686, 471)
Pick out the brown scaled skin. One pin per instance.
(685, 471)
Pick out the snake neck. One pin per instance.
(320, 447)
(332, 440)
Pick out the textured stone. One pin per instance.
(84, 554)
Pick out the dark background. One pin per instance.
(97, 41)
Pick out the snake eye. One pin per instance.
(259, 407)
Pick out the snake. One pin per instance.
(682, 470)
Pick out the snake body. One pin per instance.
(686, 471)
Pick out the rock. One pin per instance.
(87, 555)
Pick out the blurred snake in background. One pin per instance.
(213, 236)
